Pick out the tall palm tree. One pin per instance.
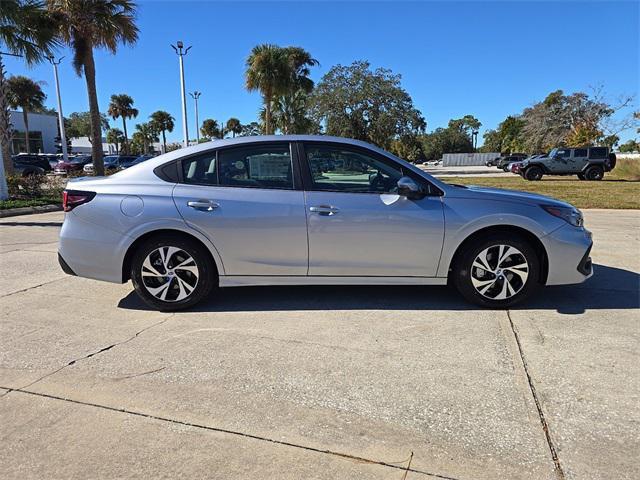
(28, 31)
(116, 137)
(148, 134)
(121, 106)
(163, 122)
(26, 94)
(234, 126)
(210, 129)
(88, 24)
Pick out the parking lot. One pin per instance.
(318, 382)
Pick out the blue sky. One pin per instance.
(488, 59)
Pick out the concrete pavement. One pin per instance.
(317, 382)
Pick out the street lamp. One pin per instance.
(196, 95)
(185, 129)
(63, 137)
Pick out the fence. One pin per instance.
(467, 159)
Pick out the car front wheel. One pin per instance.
(497, 272)
(172, 273)
(533, 173)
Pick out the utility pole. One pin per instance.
(63, 136)
(185, 129)
(196, 95)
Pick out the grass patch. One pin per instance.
(608, 193)
(29, 202)
(626, 169)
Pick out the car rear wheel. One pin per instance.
(594, 172)
(533, 173)
(172, 273)
(497, 272)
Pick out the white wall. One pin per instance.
(38, 122)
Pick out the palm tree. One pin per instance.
(210, 129)
(116, 137)
(26, 94)
(121, 106)
(27, 31)
(148, 134)
(234, 126)
(88, 24)
(163, 122)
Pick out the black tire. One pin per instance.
(463, 270)
(533, 173)
(581, 176)
(205, 280)
(594, 173)
(611, 162)
(505, 168)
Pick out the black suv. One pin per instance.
(26, 164)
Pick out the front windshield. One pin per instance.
(552, 152)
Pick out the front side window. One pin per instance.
(258, 166)
(336, 168)
(563, 153)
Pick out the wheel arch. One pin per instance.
(126, 262)
(508, 230)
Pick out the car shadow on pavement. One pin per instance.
(609, 288)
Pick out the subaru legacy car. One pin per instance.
(312, 210)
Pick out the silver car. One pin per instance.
(312, 210)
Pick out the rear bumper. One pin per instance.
(568, 250)
(65, 267)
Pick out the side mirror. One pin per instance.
(407, 187)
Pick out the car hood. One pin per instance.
(499, 194)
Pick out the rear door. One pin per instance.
(246, 201)
(358, 224)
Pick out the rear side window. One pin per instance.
(580, 152)
(256, 166)
(200, 170)
(598, 153)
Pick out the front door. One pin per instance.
(243, 199)
(358, 225)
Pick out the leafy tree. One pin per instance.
(85, 25)
(24, 93)
(408, 148)
(163, 122)
(291, 114)
(148, 134)
(79, 125)
(234, 126)
(121, 106)
(445, 140)
(251, 129)
(25, 30)
(275, 71)
(356, 102)
(630, 146)
(210, 129)
(116, 137)
(508, 137)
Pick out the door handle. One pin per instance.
(324, 210)
(203, 205)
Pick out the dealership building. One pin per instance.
(43, 130)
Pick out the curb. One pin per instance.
(14, 212)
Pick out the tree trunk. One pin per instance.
(125, 147)
(267, 113)
(6, 132)
(96, 127)
(25, 119)
(164, 143)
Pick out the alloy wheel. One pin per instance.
(170, 274)
(499, 272)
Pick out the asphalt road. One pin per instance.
(317, 382)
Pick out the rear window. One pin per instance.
(257, 166)
(580, 152)
(598, 153)
(200, 170)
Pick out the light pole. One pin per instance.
(63, 136)
(196, 95)
(185, 129)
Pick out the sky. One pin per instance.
(487, 59)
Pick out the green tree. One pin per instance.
(210, 129)
(116, 137)
(356, 102)
(445, 140)
(79, 125)
(291, 114)
(163, 122)
(121, 106)
(630, 146)
(24, 93)
(85, 25)
(508, 137)
(28, 31)
(148, 134)
(234, 126)
(251, 129)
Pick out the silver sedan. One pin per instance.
(312, 210)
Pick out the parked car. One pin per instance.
(587, 163)
(30, 164)
(267, 211)
(73, 164)
(111, 162)
(503, 162)
(130, 162)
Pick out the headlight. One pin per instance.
(570, 215)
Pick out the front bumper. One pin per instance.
(568, 249)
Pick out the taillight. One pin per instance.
(72, 198)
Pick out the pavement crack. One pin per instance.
(93, 354)
(543, 421)
(347, 456)
(33, 287)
